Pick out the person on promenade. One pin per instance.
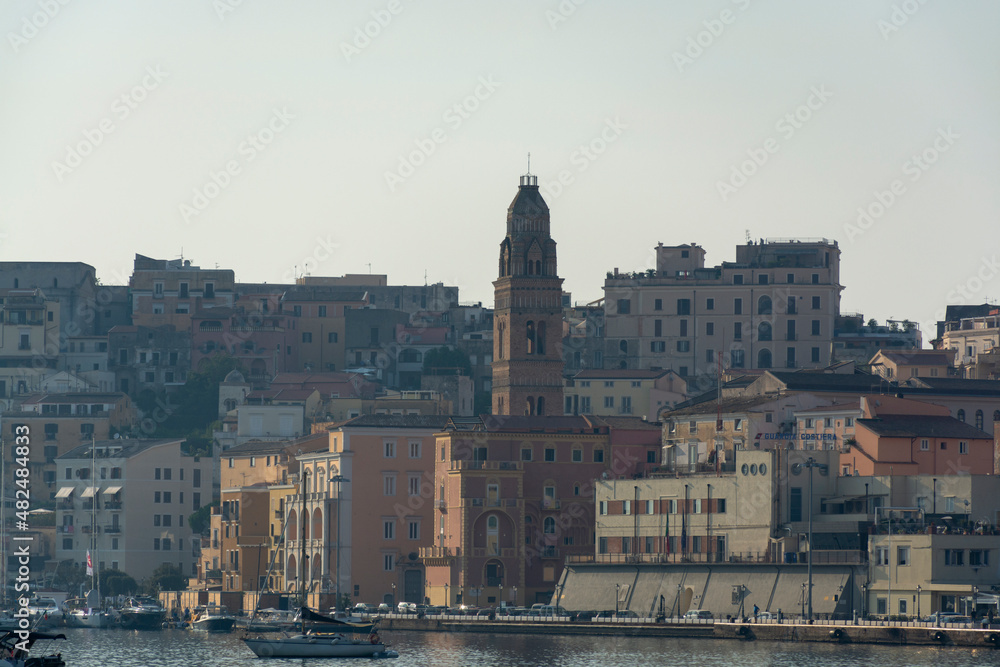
(756, 613)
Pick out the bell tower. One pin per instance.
(527, 318)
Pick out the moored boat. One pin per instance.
(212, 619)
(142, 613)
(319, 646)
(15, 650)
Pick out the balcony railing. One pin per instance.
(677, 469)
(485, 465)
(745, 557)
(115, 505)
(112, 529)
(439, 552)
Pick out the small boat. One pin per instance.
(142, 613)
(15, 650)
(269, 620)
(212, 619)
(312, 645)
(83, 613)
(45, 613)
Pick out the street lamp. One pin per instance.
(513, 595)
(617, 588)
(679, 600)
(812, 463)
(918, 602)
(339, 479)
(393, 585)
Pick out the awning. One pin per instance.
(89, 492)
(112, 490)
(65, 492)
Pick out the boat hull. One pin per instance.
(301, 646)
(132, 620)
(215, 625)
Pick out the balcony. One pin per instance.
(551, 503)
(549, 552)
(113, 529)
(113, 505)
(440, 504)
(486, 465)
(439, 552)
(65, 529)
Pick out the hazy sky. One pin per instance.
(277, 137)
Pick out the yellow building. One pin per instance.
(642, 393)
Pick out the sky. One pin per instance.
(388, 136)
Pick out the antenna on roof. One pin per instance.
(529, 163)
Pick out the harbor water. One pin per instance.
(181, 648)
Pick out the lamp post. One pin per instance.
(500, 599)
(393, 585)
(339, 479)
(617, 588)
(513, 596)
(811, 463)
(918, 602)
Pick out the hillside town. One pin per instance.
(697, 437)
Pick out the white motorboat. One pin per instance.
(84, 613)
(142, 613)
(45, 613)
(212, 619)
(319, 646)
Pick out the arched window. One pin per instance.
(538, 267)
(501, 329)
(764, 359)
(530, 336)
(764, 331)
(979, 419)
(764, 305)
(531, 267)
(540, 339)
(540, 409)
(492, 523)
(996, 415)
(529, 408)
(961, 415)
(549, 526)
(623, 347)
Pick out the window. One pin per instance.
(697, 505)
(182, 291)
(791, 305)
(683, 346)
(710, 328)
(166, 496)
(624, 306)
(389, 450)
(626, 507)
(816, 303)
(960, 416)
(156, 473)
(609, 401)
(414, 449)
(658, 304)
(526, 453)
(710, 304)
(955, 557)
(814, 355)
(720, 506)
(388, 484)
(549, 526)
(602, 545)
(815, 279)
(882, 556)
(738, 279)
(963, 447)
(166, 519)
(156, 520)
(736, 358)
(683, 306)
(307, 337)
(764, 331)
(764, 305)
(332, 337)
(413, 484)
(626, 405)
(156, 496)
(598, 456)
(550, 454)
(603, 507)
(657, 328)
(413, 530)
(657, 346)
(815, 327)
(389, 562)
(790, 278)
(650, 458)
(709, 356)
(156, 544)
(762, 279)
(902, 555)
(577, 455)
(979, 557)
(389, 529)
(737, 331)
(738, 306)
(795, 504)
(790, 330)
(979, 419)
(790, 357)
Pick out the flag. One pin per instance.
(90, 565)
(684, 538)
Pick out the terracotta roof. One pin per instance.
(623, 423)
(435, 422)
(620, 373)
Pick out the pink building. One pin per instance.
(259, 340)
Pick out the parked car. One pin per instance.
(365, 608)
(698, 614)
(407, 607)
(766, 616)
(947, 617)
(583, 615)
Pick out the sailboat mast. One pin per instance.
(93, 514)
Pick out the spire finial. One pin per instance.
(529, 163)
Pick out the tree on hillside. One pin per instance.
(195, 406)
(447, 361)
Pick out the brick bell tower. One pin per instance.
(527, 318)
